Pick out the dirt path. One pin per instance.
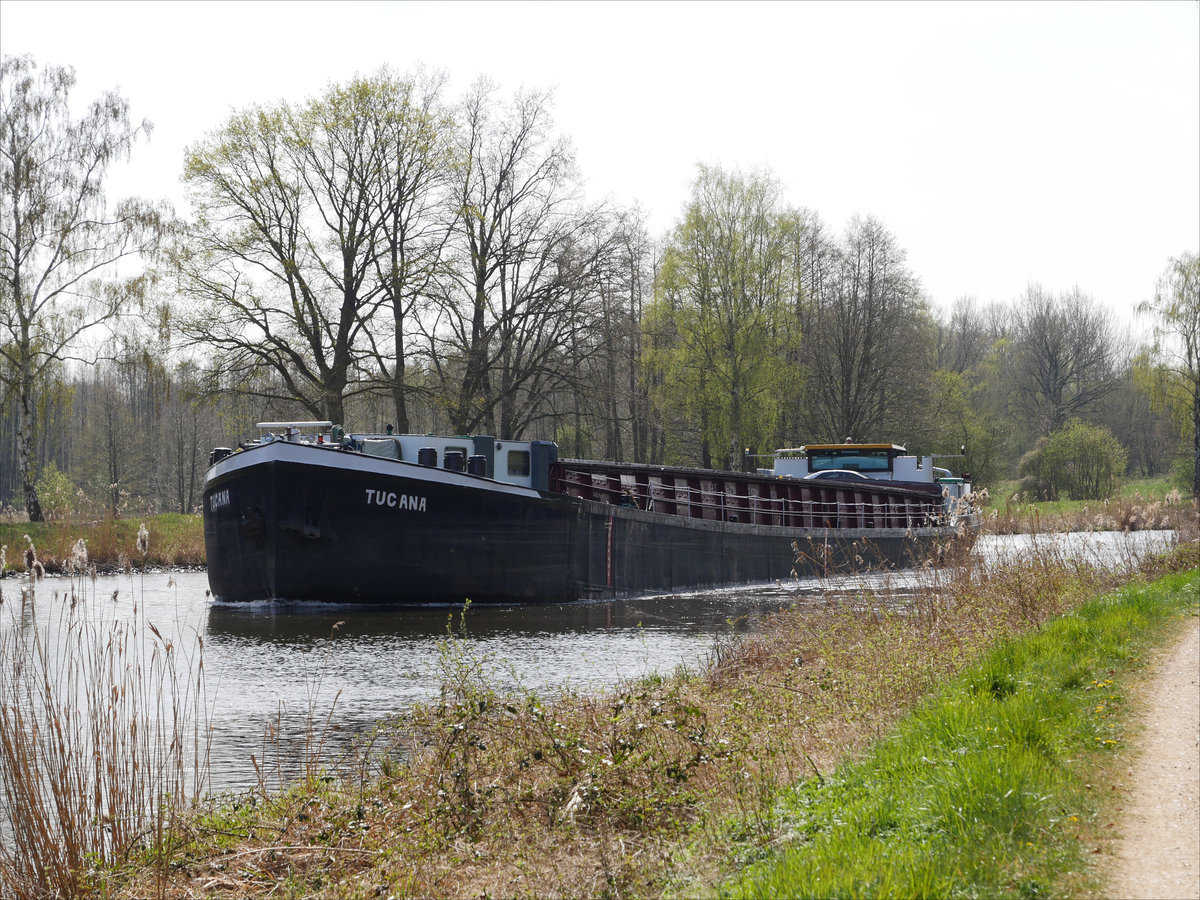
(1159, 852)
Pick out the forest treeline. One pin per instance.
(384, 254)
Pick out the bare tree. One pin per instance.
(409, 122)
(622, 388)
(59, 244)
(862, 343)
(523, 269)
(1064, 357)
(965, 337)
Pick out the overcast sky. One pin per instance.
(1002, 144)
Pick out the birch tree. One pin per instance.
(60, 243)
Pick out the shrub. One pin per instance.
(57, 493)
(1034, 471)
(1085, 461)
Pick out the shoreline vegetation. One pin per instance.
(845, 726)
(177, 540)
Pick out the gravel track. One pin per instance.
(1157, 855)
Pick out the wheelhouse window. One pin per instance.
(857, 459)
(518, 463)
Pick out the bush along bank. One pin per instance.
(995, 787)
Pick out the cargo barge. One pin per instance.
(309, 513)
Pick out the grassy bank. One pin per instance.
(173, 540)
(995, 786)
(671, 783)
(1144, 503)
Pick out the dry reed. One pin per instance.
(103, 741)
(1172, 512)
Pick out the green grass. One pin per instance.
(985, 790)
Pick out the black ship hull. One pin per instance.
(293, 522)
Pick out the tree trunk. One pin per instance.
(399, 388)
(194, 464)
(475, 384)
(335, 410)
(25, 413)
(1196, 438)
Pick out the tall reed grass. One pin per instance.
(104, 740)
(1132, 513)
(295, 746)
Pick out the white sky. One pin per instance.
(1001, 143)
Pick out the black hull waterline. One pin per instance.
(296, 523)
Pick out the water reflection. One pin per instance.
(296, 623)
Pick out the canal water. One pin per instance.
(272, 671)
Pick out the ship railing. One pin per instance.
(694, 503)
